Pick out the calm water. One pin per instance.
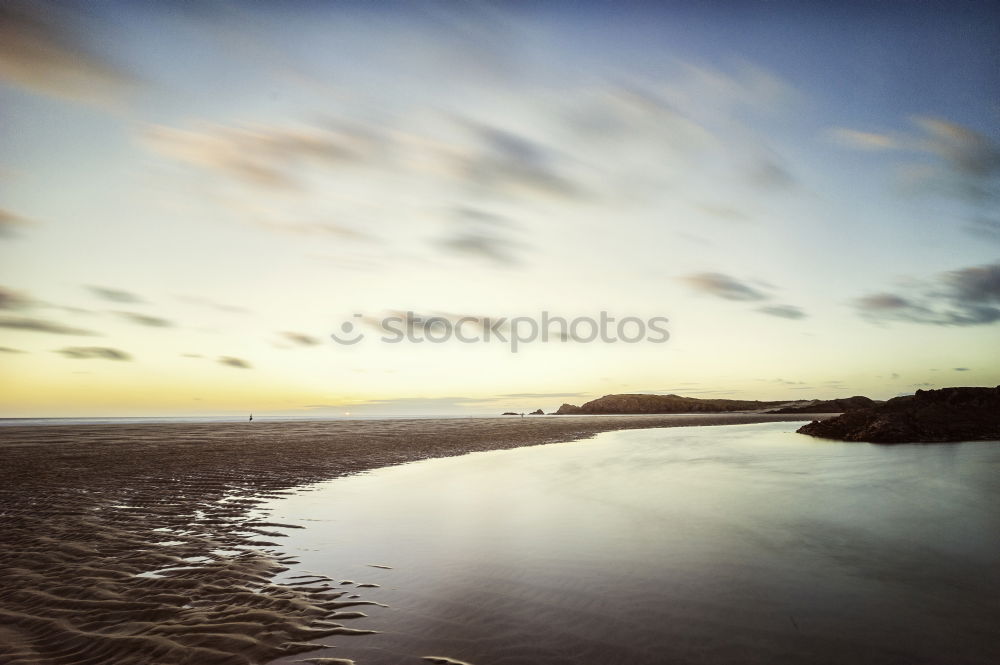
(734, 544)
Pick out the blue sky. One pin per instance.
(194, 196)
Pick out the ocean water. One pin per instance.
(734, 544)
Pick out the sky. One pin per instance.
(195, 197)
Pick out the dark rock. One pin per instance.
(509, 413)
(537, 412)
(948, 414)
(568, 410)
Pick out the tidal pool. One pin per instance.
(731, 544)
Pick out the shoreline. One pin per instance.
(134, 543)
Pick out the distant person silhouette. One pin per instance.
(251, 418)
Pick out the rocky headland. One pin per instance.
(632, 404)
(929, 416)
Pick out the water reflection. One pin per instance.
(710, 545)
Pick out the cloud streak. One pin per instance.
(301, 339)
(40, 50)
(115, 295)
(965, 166)
(257, 155)
(964, 297)
(16, 300)
(94, 352)
(10, 224)
(783, 311)
(211, 304)
(145, 320)
(873, 141)
(509, 162)
(230, 361)
(477, 234)
(723, 286)
(28, 324)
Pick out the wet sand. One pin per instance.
(130, 543)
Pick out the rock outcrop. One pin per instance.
(929, 416)
(625, 404)
(830, 405)
(537, 412)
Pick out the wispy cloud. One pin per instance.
(10, 224)
(965, 150)
(785, 382)
(211, 304)
(509, 161)
(770, 173)
(727, 287)
(21, 301)
(481, 235)
(559, 158)
(436, 322)
(41, 325)
(746, 87)
(310, 228)
(16, 300)
(258, 155)
(230, 361)
(7, 349)
(725, 212)
(960, 148)
(783, 311)
(864, 140)
(276, 177)
(41, 50)
(723, 286)
(965, 297)
(115, 295)
(94, 352)
(301, 339)
(965, 166)
(145, 320)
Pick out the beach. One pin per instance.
(139, 543)
(499, 333)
